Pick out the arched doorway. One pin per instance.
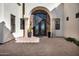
(41, 21)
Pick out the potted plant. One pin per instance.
(29, 32)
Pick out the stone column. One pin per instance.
(31, 20)
(26, 27)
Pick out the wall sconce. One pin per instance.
(67, 18)
(19, 4)
(77, 15)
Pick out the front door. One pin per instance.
(39, 24)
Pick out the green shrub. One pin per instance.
(73, 40)
(70, 39)
(77, 43)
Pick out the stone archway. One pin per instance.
(42, 10)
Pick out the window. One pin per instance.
(12, 23)
(22, 23)
(57, 23)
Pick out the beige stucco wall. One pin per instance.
(71, 26)
(5, 10)
(58, 12)
(13, 8)
(1, 12)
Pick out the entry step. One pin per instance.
(28, 40)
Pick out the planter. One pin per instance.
(49, 34)
(29, 34)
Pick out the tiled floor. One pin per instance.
(46, 47)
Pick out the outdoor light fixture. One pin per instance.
(18, 4)
(67, 18)
(77, 15)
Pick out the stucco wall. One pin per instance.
(6, 9)
(58, 12)
(13, 8)
(1, 24)
(30, 6)
(71, 26)
(1, 33)
(1, 12)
